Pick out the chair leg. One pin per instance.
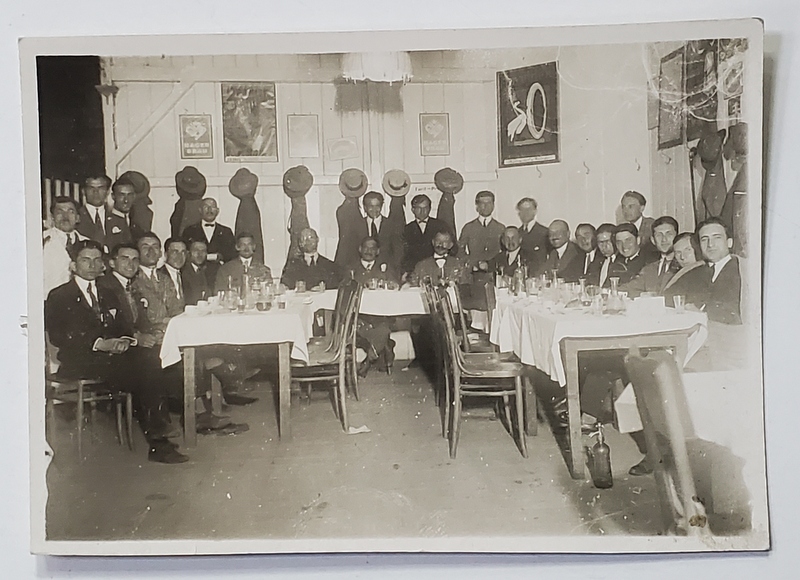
(531, 407)
(79, 418)
(519, 403)
(456, 424)
(343, 399)
(354, 371)
(447, 410)
(507, 415)
(118, 409)
(129, 418)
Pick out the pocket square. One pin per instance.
(116, 230)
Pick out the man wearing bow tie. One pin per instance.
(220, 241)
(119, 228)
(418, 234)
(95, 340)
(535, 240)
(513, 257)
(655, 276)
(310, 267)
(56, 242)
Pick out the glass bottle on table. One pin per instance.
(614, 305)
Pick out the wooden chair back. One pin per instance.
(662, 404)
(491, 303)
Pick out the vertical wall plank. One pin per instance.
(412, 107)
(331, 128)
(454, 107)
(433, 102)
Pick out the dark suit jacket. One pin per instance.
(593, 271)
(627, 269)
(499, 264)
(73, 327)
(390, 236)
(569, 266)
(180, 299)
(480, 243)
(157, 295)
(720, 298)
(88, 228)
(381, 270)
(324, 270)
(222, 241)
(428, 267)
(536, 244)
(195, 284)
(614, 270)
(418, 245)
(648, 280)
(119, 232)
(235, 270)
(132, 310)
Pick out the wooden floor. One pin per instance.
(395, 480)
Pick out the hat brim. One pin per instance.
(389, 190)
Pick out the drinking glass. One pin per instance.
(300, 286)
(372, 284)
(679, 302)
(282, 302)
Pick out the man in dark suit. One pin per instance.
(175, 252)
(119, 228)
(311, 268)
(418, 234)
(442, 266)
(592, 260)
(375, 225)
(233, 270)
(373, 332)
(717, 287)
(655, 276)
(632, 205)
(194, 275)
(480, 238)
(630, 260)
(565, 257)
(92, 216)
(95, 341)
(535, 238)
(220, 241)
(607, 256)
(512, 257)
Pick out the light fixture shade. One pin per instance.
(382, 67)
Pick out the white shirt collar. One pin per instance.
(367, 265)
(122, 279)
(592, 254)
(149, 271)
(308, 257)
(247, 261)
(118, 213)
(562, 250)
(513, 256)
(638, 223)
(84, 286)
(526, 228)
(172, 271)
(96, 209)
(195, 267)
(485, 220)
(718, 266)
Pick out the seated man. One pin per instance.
(194, 275)
(512, 257)
(592, 260)
(442, 266)
(372, 334)
(688, 255)
(716, 288)
(317, 272)
(630, 261)
(565, 258)
(230, 274)
(608, 256)
(175, 252)
(96, 341)
(655, 276)
(57, 240)
(418, 234)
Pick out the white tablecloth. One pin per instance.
(408, 301)
(252, 327)
(533, 331)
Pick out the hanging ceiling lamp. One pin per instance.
(382, 67)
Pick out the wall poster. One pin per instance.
(303, 136)
(434, 134)
(670, 96)
(249, 123)
(196, 141)
(527, 108)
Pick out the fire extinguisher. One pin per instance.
(600, 461)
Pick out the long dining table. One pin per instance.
(549, 336)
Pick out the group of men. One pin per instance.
(110, 298)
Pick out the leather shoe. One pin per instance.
(239, 400)
(642, 468)
(207, 421)
(363, 367)
(388, 356)
(165, 453)
(232, 429)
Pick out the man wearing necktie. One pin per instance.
(565, 257)
(376, 226)
(175, 252)
(654, 277)
(92, 216)
(57, 240)
(194, 275)
(119, 228)
(418, 234)
(586, 239)
(96, 341)
(232, 272)
(608, 256)
(480, 238)
(310, 267)
(513, 255)
(535, 240)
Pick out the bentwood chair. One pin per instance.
(470, 377)
(663, 408)
(331, 364)
(471, 341)
(82, 392)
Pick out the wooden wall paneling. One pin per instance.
(311, 104)
(353, 126)
(393, 141)
(477, 143)
(121, 114)
(222, 62)
(308, 63)
(331, 128)
(433, 102)
(288, 103)
(412, 107)
(454, 107)
(488, 115)
(246, 61)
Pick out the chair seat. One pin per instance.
(491, 369)
(481, 357)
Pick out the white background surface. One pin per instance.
(782, 275)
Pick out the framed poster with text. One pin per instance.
(434, 134)
(196, 141)
(527, 109)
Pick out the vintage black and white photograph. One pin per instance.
(341, 323)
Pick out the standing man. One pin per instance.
(220, 242)
(246, 263)
(375, 225)
(655, 276)
(631, 260)
(586, 238)
(633, 204)
(535, 239)
(310, 267)
(480, 238)
(565, 257)
(57, 240)
(96, 341)
(418, 234)
(119, 228)
(194, 275)
(92, 216)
